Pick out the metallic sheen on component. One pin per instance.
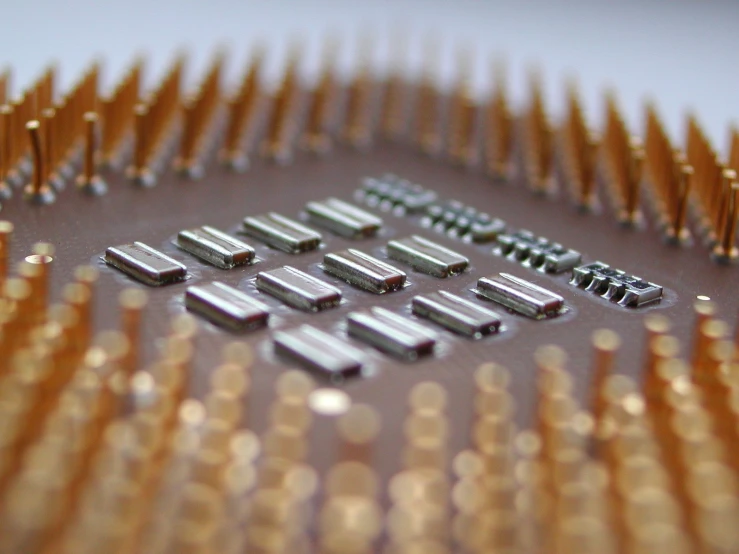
(363, 271)
(520, 296)
(226, 306)
(215, 247)
(398, 193)
(319, 351)
(427, 257)
(282, 233)
(456, 314)
(343, 218)
(537, 252)
(391, 333)
(615, 285)
(145, 264)
(298, 289)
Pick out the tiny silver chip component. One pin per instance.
(364, 271)
(298, 289)
(426, 256)
(282, 233)
(456, 314)
(215, 247)
(145, 264)
(520, 296)
(226, 306)
(343, 218)
(318, 351)
(391, 333)
(616, 285)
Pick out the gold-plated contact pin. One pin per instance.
(678, 233)
(241, 114)
(139, 171)
(427, 104)
(6, 231)
(89, 181)
(50, 147)
(606, 344)
(117, 114)
(316, 137)
(393, 119)
(498, 128)
(462, 143)
(281, 124)
(359, 100)
(38, 191)
(6, 137)
(726, 251)
(539, 141)
(631, 215)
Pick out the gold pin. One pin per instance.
(139, 171)
(726, 251)
(6, 232)
(606, 344)
(186, 162)
(393, 118)
(241, 114)
(6, 138)
(281, 125)
(89, 181)
(705, 310)
(539, 141)
(357, 129)
(49, 123)
(427, 109)
(198, 111)
(132, 302)
(635, 164)
(463, 124)
(358, 429)
(117, 114)
(499, 128)
(678, 233)
(316, 137)
(38, 191)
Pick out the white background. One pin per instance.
(684, 54)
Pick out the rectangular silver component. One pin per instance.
(145, 264)
(456, 314)
(319, 351)
(363, 271)
(391, 333)
(343, 218)
(298, 289)
(282, 233)
(426, 256)
(520, 296)
(215, 247)
(226, 306)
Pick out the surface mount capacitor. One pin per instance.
(456, 314)
(364, 271)
(520, 296)
(215, 247)
(145, 264)
(282, 233)
(298, 289)
(226, 306)
(319, 351)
